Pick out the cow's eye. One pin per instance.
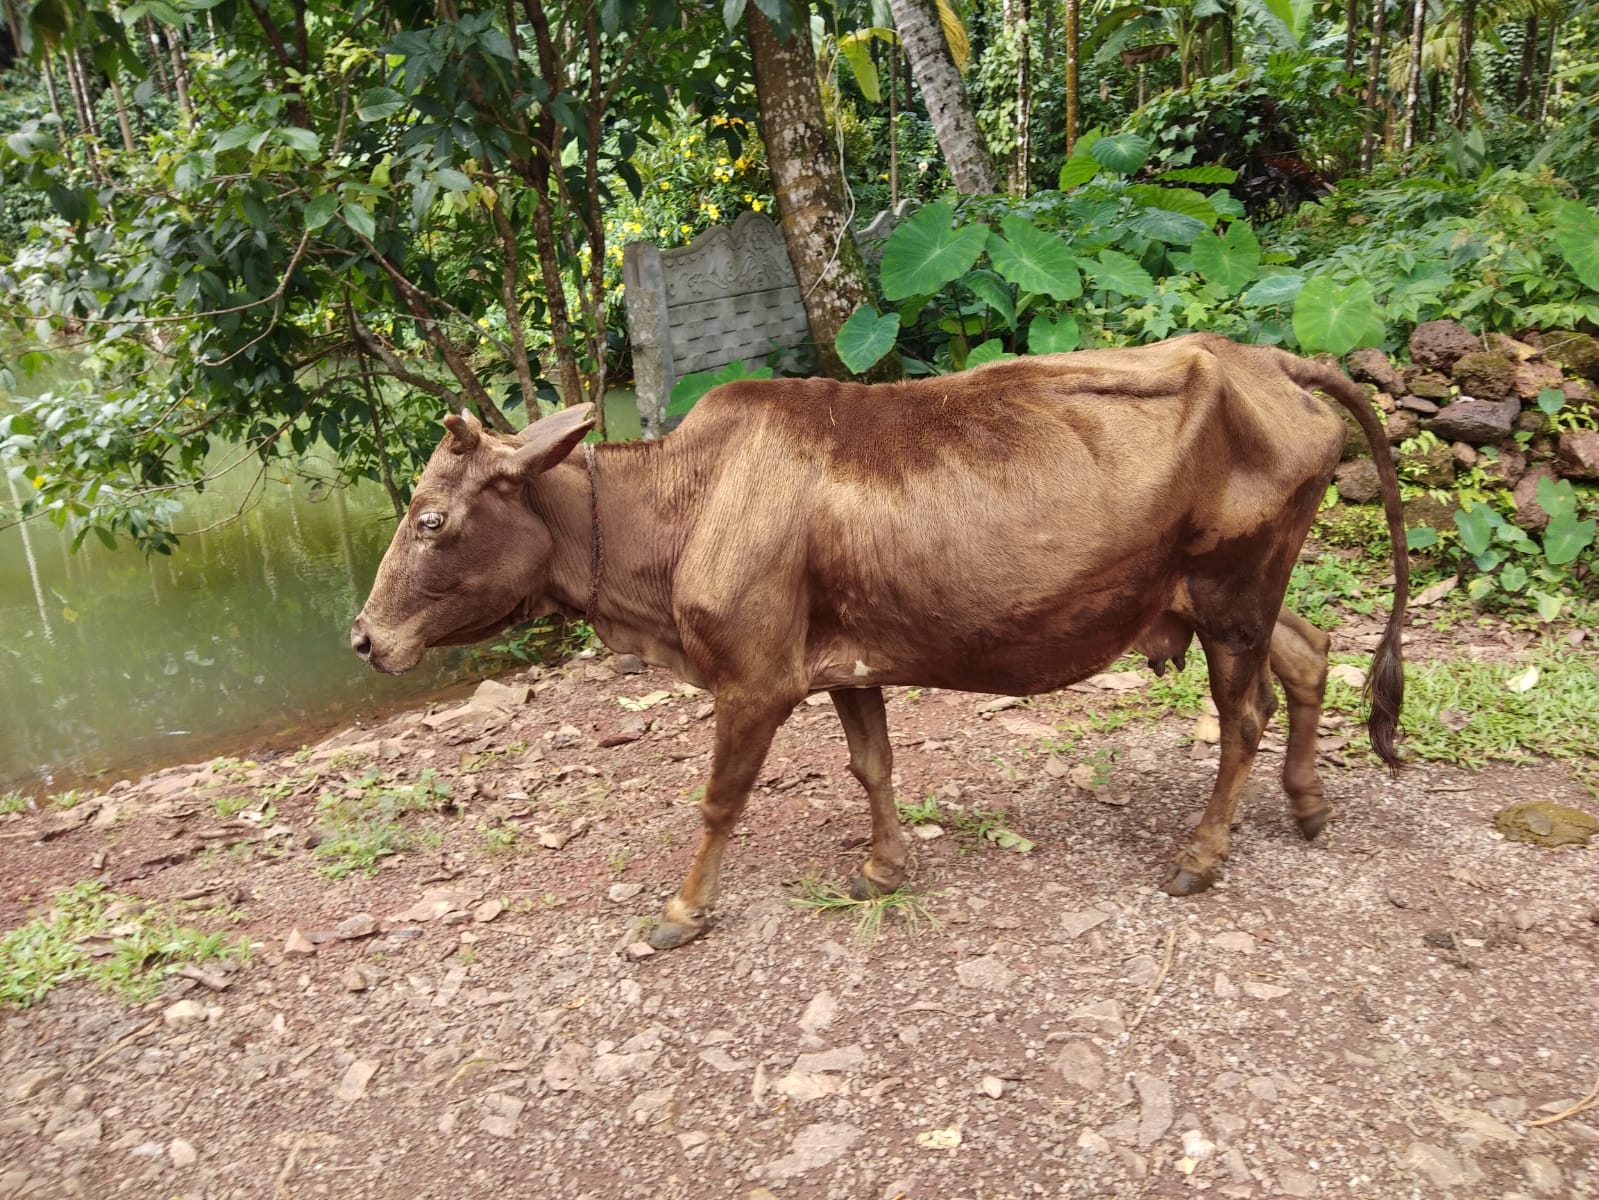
(431, 521)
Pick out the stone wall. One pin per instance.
(729, 296)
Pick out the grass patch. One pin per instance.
(1467, 712)
(828, 900)
(114, 942)
(363, 823)
(11, 802)
(976, 825)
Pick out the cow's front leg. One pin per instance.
(1241, 686)
(744, 729)
(871, 760)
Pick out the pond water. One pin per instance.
(112, 663)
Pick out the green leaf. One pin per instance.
(377, 103)
(1421, 537)
(1163, 225)
(1513, 578)
(924, 253)
(1123, 153)
(1034, 260)
(993, 350)
(1480, 587)
(994, 292)
(1175, 199)
(857, 53)
(1336, 319)
(1576, 234)
(1230, 261)
(1476, 524)
(453, 180)
(866, 337)
(1050, 335)
(1556, 497)
(1548, 606)
(358, 219)
(233, 138)
(1565, 537)
(1551, 401)
(302, 141)
(1199, 175)
(1077, 171)
(1118, 272)
(320, 211)
(1274, 290)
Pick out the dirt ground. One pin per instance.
(1407, 1008)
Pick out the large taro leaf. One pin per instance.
(1050, 335)
(865, 338)
(1034, 260)
(1118, 272)
(994, 292)
(1123, 153)
(1336, 319)
(1274, 290)
(1576, 234)
(1230, 261)
(925, 252)
(993, 350)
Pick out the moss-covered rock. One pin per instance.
(1433, 467)
(1577, 352)
(1430, 386)
(1544, 823)
(1485, 376)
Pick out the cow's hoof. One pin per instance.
(1181, 881)
(863, 887)
(669, 935)
(1312, 824)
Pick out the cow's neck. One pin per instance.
(633, 603)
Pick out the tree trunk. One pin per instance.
(1468, 30)
(55, 107)
(945, 95)
(1368, 149)
(809, 188)
(1351, 34)
(1024, 101)
(1227, 39)
(1073, 84)
(122, 114)
(893, 126)
(1418, 30)
(1528, 75)
(1548, 71)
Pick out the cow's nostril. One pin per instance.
(360, 643)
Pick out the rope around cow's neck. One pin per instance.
(597, 556)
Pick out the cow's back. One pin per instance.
(1010, 512)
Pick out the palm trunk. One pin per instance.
(1073, 100)
(945, 95)
(1529, 65)
(809, 188)
(1468, 30)
(1368, 150)
(1024, 101)
(1548, 71)
(1418, 29)
(122, 114)
(893, 126)
(1351, 34)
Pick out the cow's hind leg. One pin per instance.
(744, 728)
(1299, 660)
(871, 760)
(1241, 687)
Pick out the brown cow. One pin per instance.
(1011, 529)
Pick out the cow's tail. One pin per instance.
(1385, 684)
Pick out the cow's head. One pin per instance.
(470, 556)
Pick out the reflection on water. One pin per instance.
(112, 663)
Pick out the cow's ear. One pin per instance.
(550, 439)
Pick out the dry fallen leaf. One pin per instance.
(1435, 592)
(1207, 729)
(1117, 681)
(940, 1139)
(1524, 681)
(1344, 673)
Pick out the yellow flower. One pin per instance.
(757, 206)
(686, 228)
(665, 186)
